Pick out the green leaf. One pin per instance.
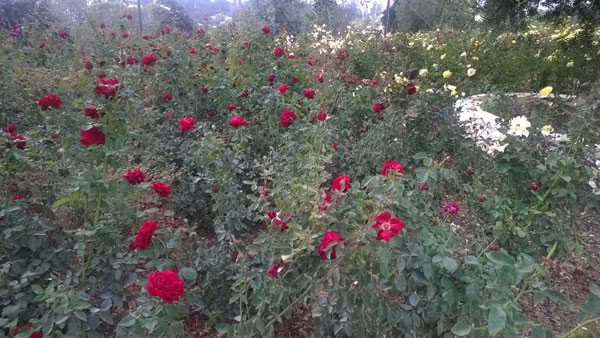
(222, 327)
(540, 332)
(189, 273)
(37, 289)
(496, 320)
(384, 261)
(127, 321)
(70, 199)
(556, 296)
(450, 264)
(500, 257)
(413, 299)
(595, 289)
(461, 329)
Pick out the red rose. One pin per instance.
(337, 183)
(245, 93)
(388, 227)
(283, 88)
(91, 112)
(423, 187)
(89, 65)
(374, 82)
(124, 35)
(102, 25)
(239, 63)
(294, 80)
(43, 44)
(411, 88)
(390, 166)
(329, 237)
(326, 202)
(278, 222)
(135, 176)
(167, 97)
(33, 335)
(278, 51)
(107, 87)
(165, 30)
(149, 60)
(193, 51)
(320, 77)
(271, 77)
(451, 208)
(20, 145)
(377, 107)
(161, 189)
(266, 29)
(131, 60)
(204, 89)
(237, 121)
(264, 192)
(101, 75)
(534, 185)
(309, 94)
(335, 146)
(165, 285)
(17, 197)
(186, 123)
(53, 136)
(287, 118)
(146, 37)
(231, 107)
(200, 31)
(273, 273)
(63, 35)
(272, 214)
(144, 236)
(92, 136)
(50, 101)
(226, 68)
(11, 128)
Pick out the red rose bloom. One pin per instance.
(53, 136)
(329, 237)
(161, 189)
(167, 97)
(423, 187)
(322, 116)
(309, 94)
(230, 107)
(388, 227)
(11, 128)
(377, 107)
(279, 51)
(186, 123)
(102, 25)
(278, 222)
(50, 101)
(92, 136)
(283, 88)
(144, 236)
(101, 75)
(107, 87)
(17, 197)
(266, 29)
(165, 285)
(272, 214)
(200, 31)
(326, 202)
(287, 118)
(392, 166)
(411, 88)
(534, 185)
(204, 89)
(63, 35)
(245, 93)
(89, 65)
(237, 121)
(271, 77)
(337, 183)
(91, 112)
(124, 35)
(131, 60)
(335, 146)
(226, 68)
(135, 176)
(451, 208)
(146, 37)
(33, 335)
(165, 30)
(149, 60)
(294, 80)
(20, 145)
(193, 51)
(273, 273)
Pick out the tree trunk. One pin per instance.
(386, 29)
(140, 15)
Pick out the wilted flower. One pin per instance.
(547, 130)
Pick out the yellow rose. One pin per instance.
(447, 74)
(546, 91)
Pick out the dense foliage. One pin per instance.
(242, 175)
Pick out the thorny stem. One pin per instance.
(580, 326)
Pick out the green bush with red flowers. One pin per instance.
(242, 176)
